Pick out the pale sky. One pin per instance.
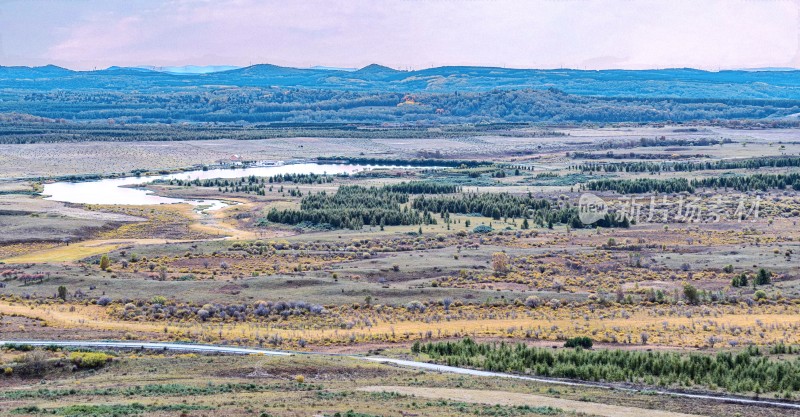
(404, 34)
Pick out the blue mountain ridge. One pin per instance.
(684, 83)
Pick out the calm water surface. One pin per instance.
(119, 191)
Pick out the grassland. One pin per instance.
(187, 384)
(172, 273)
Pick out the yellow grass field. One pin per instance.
(760, 325)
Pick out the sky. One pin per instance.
(403, 34)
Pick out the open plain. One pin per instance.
(486, 243)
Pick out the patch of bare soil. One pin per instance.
(229, 289)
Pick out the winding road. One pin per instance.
(232, 350)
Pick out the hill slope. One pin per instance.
(666, 83)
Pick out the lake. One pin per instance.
(119, 190)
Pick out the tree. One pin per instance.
(62, 292)
(764, 277)
(500, 263)
(525, 225)
(104, 262)
(691, 294)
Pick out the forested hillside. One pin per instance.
(303, 106)
(672, 83)
(379, 95)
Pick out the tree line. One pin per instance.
(753, 182)
(353, 207)
(641, 185)
(255, 105)
(741, 372)
(762, 182)
(508, 206)
(683, 166)
(423, 187)
(417, 162)
(629, 155)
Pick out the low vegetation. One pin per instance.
(747, 371)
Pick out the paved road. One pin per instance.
(190, 347)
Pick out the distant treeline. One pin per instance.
(494, 205)
(453, 163)
(663, 141)
(507, 206)
(762, 182)
(352, 207)
(754, 182)
(307, 109)
(744, 371)
(754, 163)
(253, 180)
(254, 184)
(257, 184)
(641, 185)
(423, 187)
(112, 131)
(631, 155)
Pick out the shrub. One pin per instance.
(104, 262)
(500, 263)
(482, 229)
(33, 363)
(104, 301)
(580, 341)
(20, 347)
(533, 301)
(90, 359)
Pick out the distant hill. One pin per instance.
(665, 83)
(378, 95)
(191, 69)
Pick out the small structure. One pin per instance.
(233, 160)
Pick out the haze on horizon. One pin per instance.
(403, 34)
